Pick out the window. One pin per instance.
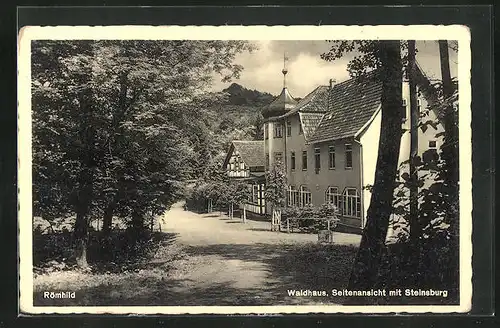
(419, 105)
(351, 203)
(255, 194)
(232, 166)
(293, 196)
(300, 128)
(292, 161)
(305, 196)
(317, 159)
(304, 160)
(278, 157)
(288, 128)
(348, 156)
(433, 144)
(404, 108)
(332, 196)
(331, 157)
(278, 130)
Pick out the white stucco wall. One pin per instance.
(369, 141)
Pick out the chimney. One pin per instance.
(332, 82)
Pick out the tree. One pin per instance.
(450, 146)
(109, 123)
(386, 56)
(415, 230)
(258, 127)
(275, 193)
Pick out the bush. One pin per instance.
(196, 199)
(118, 251)
(307, 212)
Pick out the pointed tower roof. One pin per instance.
(280, 105)
(284, 102)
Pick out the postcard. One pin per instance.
(244, 169)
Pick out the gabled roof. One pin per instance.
(251, 152)
(280, 105)
(352, 104)
(315, 102)
(310, 122)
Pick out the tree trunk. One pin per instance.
(244, 214)
(86, 176)
(137, 220)
(365, 270)
(107, 220)
(413, 257)
(81, 226)
(415, 231)
(81, 238)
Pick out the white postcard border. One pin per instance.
(416, 32)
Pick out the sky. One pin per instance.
(306, 70)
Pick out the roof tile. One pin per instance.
(351, 105)
(251, 152)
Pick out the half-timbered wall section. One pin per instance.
(236, 168)
(245, 162)
(256, 202)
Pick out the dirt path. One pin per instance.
(229, 262)
(208, 259)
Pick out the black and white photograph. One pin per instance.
(244, 169)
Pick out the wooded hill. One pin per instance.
(237, 116)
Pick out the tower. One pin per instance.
(284, 102)
(275, 124)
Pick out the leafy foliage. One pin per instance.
(433, 196)
(438, 243)
(304, 215)
(276, 184)
(239, 95)
(326, 210)
(116, 124)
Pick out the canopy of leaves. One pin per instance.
(276, 184)
(145, 109)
